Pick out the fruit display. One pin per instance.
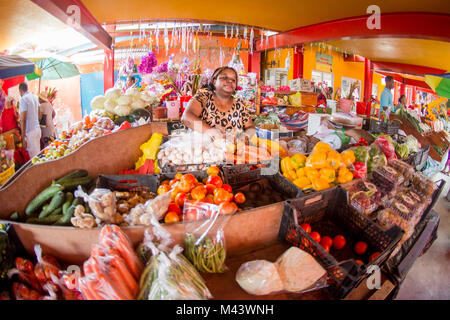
(387, 179)
(322, 169)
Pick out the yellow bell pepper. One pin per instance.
(345, 177)
(320, 184)
(328, 174)
(298, 160)
(309, 186)
(292, 175)
(317, 160)
(302, 182)
(301, 172)
(321, 147)
(311, 173)
(273, 147)
(286, 165)
(149, 149)
(348, 157)
(334, 159)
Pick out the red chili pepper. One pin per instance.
(360, 170)
(24, 265)
(124, 125)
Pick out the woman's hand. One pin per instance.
(215, 134)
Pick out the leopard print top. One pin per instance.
(234, 119)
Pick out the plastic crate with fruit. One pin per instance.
(363, 196)
(357, 242)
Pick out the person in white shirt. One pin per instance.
(46, 116)
(29, 120)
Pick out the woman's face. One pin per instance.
(403, 100)
(226, 81)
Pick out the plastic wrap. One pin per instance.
(403, 168)
(113, 269)
(259, 277)
(205, 241)
(142, 213)
(386, 146)
(297, 146)
(168, 274)
(387, 179)
(102, 203)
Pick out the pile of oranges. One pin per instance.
(185, 188)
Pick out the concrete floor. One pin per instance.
(429, 277)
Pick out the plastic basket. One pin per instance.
(8, 173)
(391, 127)
(329, 214)
(375, 126)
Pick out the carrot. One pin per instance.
(120, 283)
(106, 286)
(132, 261)
(119, 264)
(91, 283)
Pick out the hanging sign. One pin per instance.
(324, 62)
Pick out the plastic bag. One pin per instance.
(168, 274)
(376, 158)
(297, 146)
(142, 213)
(386, 146)
(205, 240)
(102, 203)
(113, 269)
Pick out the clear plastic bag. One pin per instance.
(205, 239)
(142, 213)
(168, 274)
(102, 203)
(386, 146)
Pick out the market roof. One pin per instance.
(13, 66)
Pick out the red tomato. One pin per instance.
(210, 188)
(230, 197)
(215, 180)
(191, 214)
(220, 196)
(228, 208)
(174, 207)
(173, 181)
(198, 193)
(360, 247)
(178, 176)
(184, 186)
(208, 200)
(373, 256)
(316, 236)
(359, 262)
(163, 189)
(239, 198)
(326, 241)
(227, 187)
(306, 227)
(326, 247)
(165, 182)
(181, 198)
(189, 178)
(171, 217)
(339, 242)
(212, 171)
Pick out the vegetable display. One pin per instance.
(205, 255)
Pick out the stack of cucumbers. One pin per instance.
(56, 204)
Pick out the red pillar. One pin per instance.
(108, 70)
(254, 63)
(413, 96)
(402, 88)
(298, 64)
(368, 78)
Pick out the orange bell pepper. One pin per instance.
(320, 184)
(317, 160)
(321, 147)
(328, 174)
(348, 157)
(311, 173)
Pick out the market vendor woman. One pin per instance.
(216, 111)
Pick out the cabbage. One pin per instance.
(138, 104)
(110, 104)
(98, 102)
(412, 143)
(145, 97)
(132, 92)
(124, 100)
(112, 93)
(122, 110)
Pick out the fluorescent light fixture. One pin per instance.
(159, 25)
(270, 33)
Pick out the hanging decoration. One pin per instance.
(232, 30)
(237, 32)
(226, 32)
(251, 40)
(166, 39)
(245, 33)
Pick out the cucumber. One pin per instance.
(57, 201)
(14, 216)
(47, 220)
(72, 184)
(57, 211)
(65, 219)
(40, 199)
(73, 175)
(68, 202)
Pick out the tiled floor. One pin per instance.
(429, 277)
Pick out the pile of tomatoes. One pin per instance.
(212, 190)
(338, 242)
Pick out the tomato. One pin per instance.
(227, 187)
(191, 214)
(212, 171)
(198, 193)
(171, 217)
(306, 227)
(210, 188)
(181, 198)
(359, 262)
(208, 200)
(315, 235)
(172, 182)
(178, 176)
(215, 180)
(339, 242)
(230, 197)
(326, 247)
(239, 198)
(184, 186)
(174, 207)
(165, 182)
(373, 256)
(174, 193)
(189, 178)
(163, 189)
(360, 247)
(228, 208)
(220, 196)
(326, 241)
